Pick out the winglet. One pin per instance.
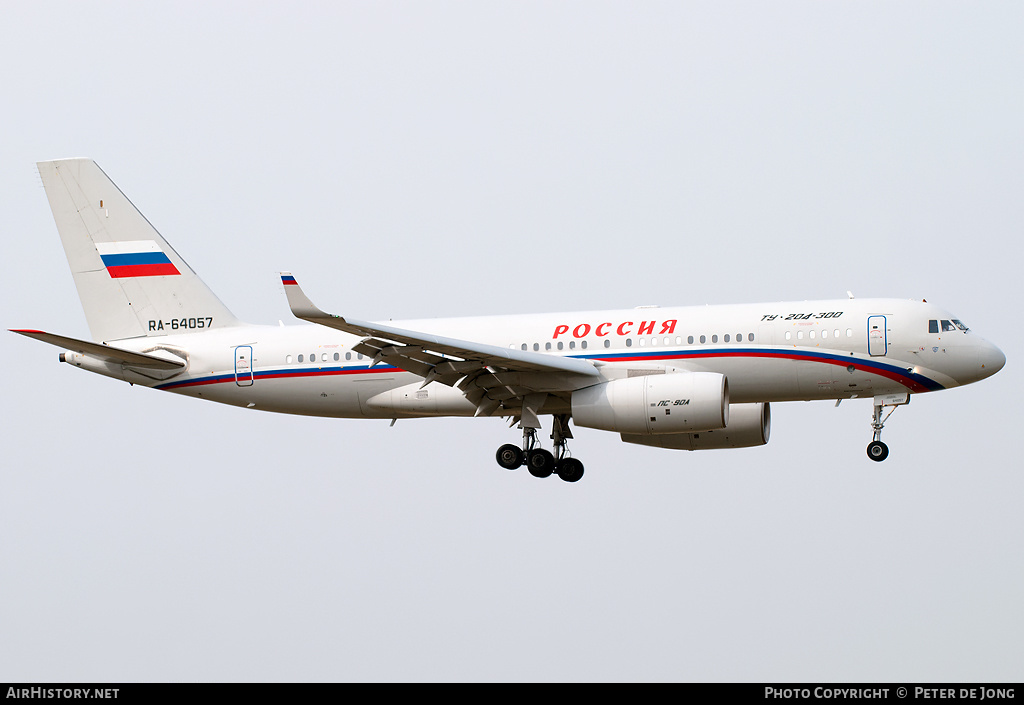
(298, 302)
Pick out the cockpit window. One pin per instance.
(947, 326)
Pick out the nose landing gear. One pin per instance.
(877, 450)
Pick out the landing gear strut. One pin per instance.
(877, 450)
(540, 462)
(568, 468)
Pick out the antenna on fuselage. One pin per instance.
(850, 294)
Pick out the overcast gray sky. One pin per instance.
(441, 159)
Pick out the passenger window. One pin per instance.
(726, 339)
(714, 339)
(572, 344)
(849, 332)
(560, 345)
(607, 343)
(799, 335)
(629, 342)
(703, 339)
(689, 340)
(810, 334)
(323, 357)
(789, 335)
(583, 345)
(547, 346)
(288, 359)
(750, 337)
(337, 356)
(641, 341)
(933, 326)
(348, 356)
(536, 347)
(524, 346)
(824, 333)
(300, 358)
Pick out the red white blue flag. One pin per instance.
(138, 258)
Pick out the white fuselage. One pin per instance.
(835, 349)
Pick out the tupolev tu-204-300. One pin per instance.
(683, 378)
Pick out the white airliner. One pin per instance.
(685, 378)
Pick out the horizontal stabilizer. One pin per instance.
(104, 352)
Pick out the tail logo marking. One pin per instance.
(137, 258)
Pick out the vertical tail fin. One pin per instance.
(130, 280)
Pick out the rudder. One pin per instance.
(130, 281)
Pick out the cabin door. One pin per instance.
(243, 365)
(878, 339)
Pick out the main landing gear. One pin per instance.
(540, 462)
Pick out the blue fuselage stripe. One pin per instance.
(915, 382)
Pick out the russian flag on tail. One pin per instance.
(138, 258)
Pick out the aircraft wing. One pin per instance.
(103, 351)
(489, 376)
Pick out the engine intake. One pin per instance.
(655, 404)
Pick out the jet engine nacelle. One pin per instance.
(655, 404)
(749, 426)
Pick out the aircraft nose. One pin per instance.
(992, 360)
